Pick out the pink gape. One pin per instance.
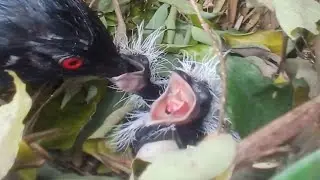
(176, 105)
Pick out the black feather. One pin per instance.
(36, 34)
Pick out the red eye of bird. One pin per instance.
(72, 63)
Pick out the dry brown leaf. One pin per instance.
(218, 5)
(238, 22)
(269, 21)
(253, 20)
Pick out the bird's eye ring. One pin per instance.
(71, 63)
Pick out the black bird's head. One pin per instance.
(43, 40)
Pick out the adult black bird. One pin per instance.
(44, 40)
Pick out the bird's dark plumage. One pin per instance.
(36, 36)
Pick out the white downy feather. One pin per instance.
(148, 48)
(124, 134)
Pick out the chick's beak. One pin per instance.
(136, 75)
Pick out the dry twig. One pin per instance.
(121, 30)
(217, 47)
(91, 3)
(38, 136)
(232, 11)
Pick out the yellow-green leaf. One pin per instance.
(11, 117)
(212, 157)
(271, 39)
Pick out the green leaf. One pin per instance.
(187, 36)
(173, 48)
(104, 21)
(253, 100)
(171, 24)
(186, 8)
(212, 157)
(293, 14)
(270, 39)
(113, 118)
(71, 118)
(201, 35)
(92, 92)
(199, 51)
(157, 21)
(69, 93)
(306, 168)
(26, 156)
(196, 22)
(138, 166)
(107, 6)
(183, 6)
(11, 117)
(100, 148)
(25, 153)
(102, 120)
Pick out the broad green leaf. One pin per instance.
(27, 174)
(253, 100)
(25, 154)
(196, 22)
(138, 166)
(270, 39)
(69, 93)
(201, 35)
(179, 38)
(212, 157)
(171, 24)
(108, 111)
(107, 6)
(185, 7)
(12, 116)
(110, 122)
(71, 119)
(141, 11)
(187, 36)
(173, 48)
(102, 169)
(306, 168)
(92, 92)
(158, 21)
(98, 147)
(199, 51)
(100, 121)
(293, 14)
(104, 21)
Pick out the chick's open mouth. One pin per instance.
(176, 104)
